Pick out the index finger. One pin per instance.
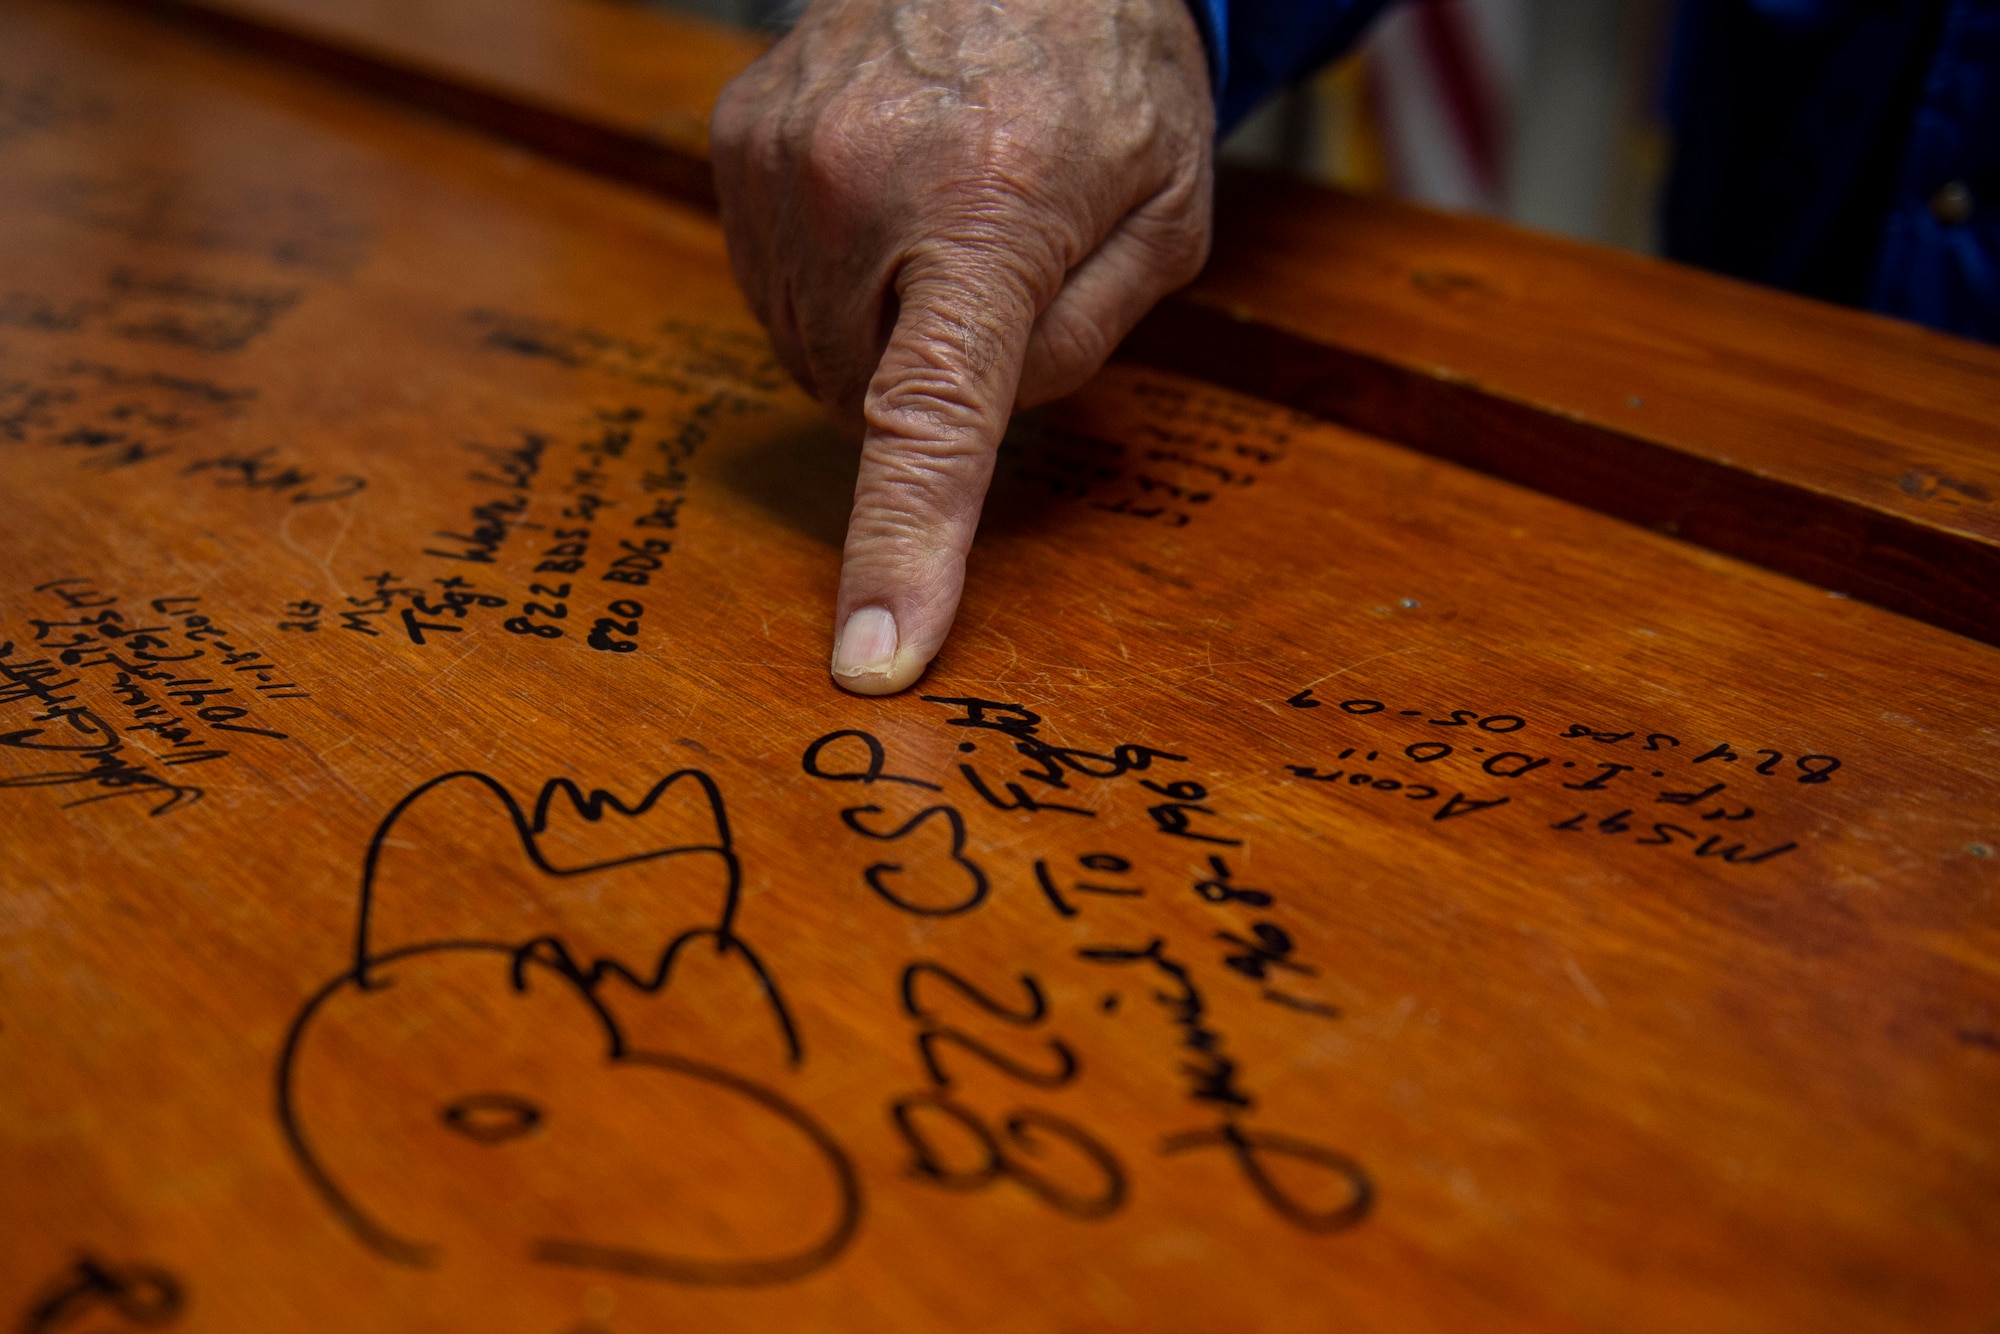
(935, 412)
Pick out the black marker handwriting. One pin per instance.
(1706, 793)
(690, 359)
(89, 738)
(139, 1294)
(1212, 1079)
(393, 971)
(492, 521)
(1058, 764)
(1001, 1157)
(1211, 1075)
(1249, 1148)
(877, 875)
(933, 1033)
(257, 470)
(46, 103)
(1101, 862)
(1812, 768)
(1026, 1131)
(872, 772)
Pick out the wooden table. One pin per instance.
(1319, 886)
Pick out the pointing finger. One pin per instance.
(935, 411)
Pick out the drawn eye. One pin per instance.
(492, 1118)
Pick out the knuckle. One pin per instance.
(729, 123)
(979, 270)
(741, 106)
(932, 410)
(961, 329)
(913, 504)
(1184, 249)
(1075, 345)
(1010, 163)
(924, 568)
(1176, 236)
(843, 149)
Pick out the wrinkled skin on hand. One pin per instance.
(943, 209)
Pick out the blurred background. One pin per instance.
(1545, 112)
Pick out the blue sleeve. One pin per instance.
(1939, 262)
(1258, 46)
(1844, 150)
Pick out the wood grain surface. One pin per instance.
(1319, 887)
(614, 87)
(1851, 450)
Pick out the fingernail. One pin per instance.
(867, 644)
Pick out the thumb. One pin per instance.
(935, 411)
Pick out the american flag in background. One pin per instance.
(1425, 107)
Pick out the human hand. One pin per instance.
(943, 209)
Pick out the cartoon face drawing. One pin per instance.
(472, 1082)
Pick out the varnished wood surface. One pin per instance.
(1628, 1011)
(1851, 450)
(593, 83)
